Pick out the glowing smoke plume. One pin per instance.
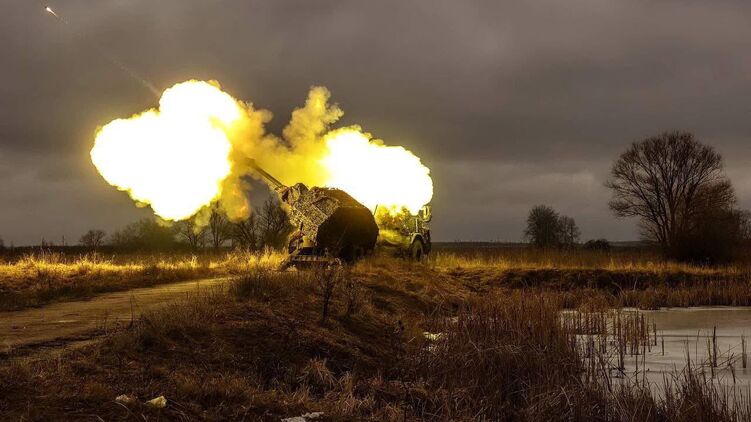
(372, 172)
(174, 158)
(376, 174)
(195, 150)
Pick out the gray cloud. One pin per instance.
(510, 103)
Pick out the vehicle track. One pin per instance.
(60, 323)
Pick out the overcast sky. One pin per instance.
(510, 104)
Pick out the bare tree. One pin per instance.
(542, 226)
(245, 233)
(93, 238)
(547, 229)
(270, 227)
(715, 235)
(568, 232)
(219, 228)
(125, 238)
(144, 234)
(274, 223)
(669, 181)
(194, 235)
(326, 282)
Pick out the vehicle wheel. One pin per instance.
(416, 251)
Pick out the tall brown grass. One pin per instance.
(260, 352)
(37, 279)
(622, 277)
(616, 259)
(513, 357)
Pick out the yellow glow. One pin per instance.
(174, 158)
(376, 174)
(195, 149)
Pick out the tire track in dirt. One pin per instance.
(56, 323)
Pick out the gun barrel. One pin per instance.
(271, 180)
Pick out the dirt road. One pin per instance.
(79, 319)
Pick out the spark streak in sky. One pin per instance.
(109, 56)
(52, 12)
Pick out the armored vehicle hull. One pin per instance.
(334, 223)
(329, 224)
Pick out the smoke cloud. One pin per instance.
(196, 150)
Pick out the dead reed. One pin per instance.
(524, 258)
(519, 357)
(261, 353)
(34, 280)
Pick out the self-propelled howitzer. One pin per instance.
(329, 224)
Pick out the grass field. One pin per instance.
(643, 259)
(37, 279)
(263, 350)
(624, 277)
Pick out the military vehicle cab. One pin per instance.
(404, 233)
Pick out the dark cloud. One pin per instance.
(510, 103)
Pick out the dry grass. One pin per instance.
(616, 259)
(35, 280)
(626, 277)
(620, 277)
(261, 353)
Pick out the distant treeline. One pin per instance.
(462, 244)
(674, 185)
(266, 227)
(678, 190)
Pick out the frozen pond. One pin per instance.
(714, 339)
